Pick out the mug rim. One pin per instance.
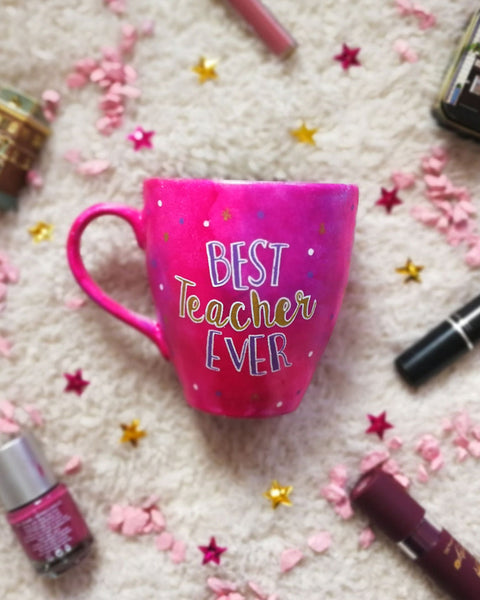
(250, 182)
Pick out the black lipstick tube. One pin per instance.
(442, 345)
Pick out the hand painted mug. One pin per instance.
(247, 280)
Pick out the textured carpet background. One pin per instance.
(211, 472)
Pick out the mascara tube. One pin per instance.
(442, 345)
(403, 520)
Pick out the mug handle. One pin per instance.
(134, 218)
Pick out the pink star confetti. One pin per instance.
(141, 138)
(389, 199)
(348, 57)
(212, 552)
(290, 558)
(378, 424)
(75, 382)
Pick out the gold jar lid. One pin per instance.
(23, 132)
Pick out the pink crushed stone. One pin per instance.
(366, 538)
(290, 558)
(74, 303)
(7, 426)
(405, 52)
(451, 210)
(51, 102)
(178, 551)
(34, 179)
(407, 8)
(113, 76)
(336, 494)
(320, 541)
(73, 465)
(164, 541)
(116, 6)
(34, 413)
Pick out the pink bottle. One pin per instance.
(41, 511)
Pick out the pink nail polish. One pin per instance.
(40, 509)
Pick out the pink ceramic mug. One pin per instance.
(247, 280)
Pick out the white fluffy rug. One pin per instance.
(210, 473)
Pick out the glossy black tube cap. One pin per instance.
(435, 351)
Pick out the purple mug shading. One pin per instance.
(247, 279)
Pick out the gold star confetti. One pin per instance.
(304, 135)
(226, 214)
(131, 433)
(205, 69)
(411, 270)
(41, 232)
(278, 494)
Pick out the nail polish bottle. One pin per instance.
(40, 509)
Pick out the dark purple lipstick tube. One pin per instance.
(403, 520)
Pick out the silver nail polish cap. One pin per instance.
(24, 472)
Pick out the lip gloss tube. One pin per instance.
(275, 36)
(442, 345)
(403, 520)
(40, 510)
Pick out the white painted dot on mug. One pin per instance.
(310, 354)
(195, 387)
(311, 252)
(162, 287)
(206, 223)
(279, 404)
(159, 203)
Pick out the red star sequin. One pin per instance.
(389, 199)
(378, 424)
(76, 383)
(348, 57)
(141, 138)
(211, 552)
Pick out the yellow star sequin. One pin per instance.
(411, 271)
(205, 69)
(41, 232)
(304, 135)
(131, 433)
(278, 494)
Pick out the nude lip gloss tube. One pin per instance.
(442, 345)
(266, 25)
(40, 510)
(403, 520)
